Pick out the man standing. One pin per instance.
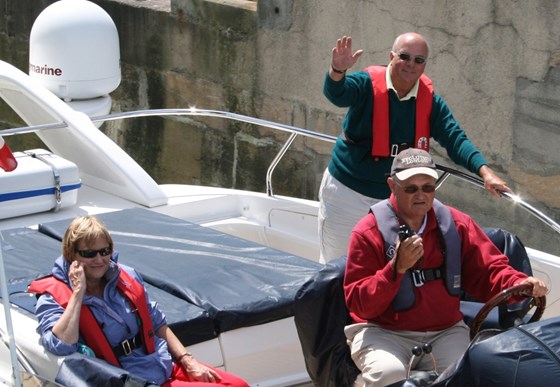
(405, 293)
(390, 108)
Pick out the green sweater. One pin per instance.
(353, 165)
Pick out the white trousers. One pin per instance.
(340, 208)
(383, 355)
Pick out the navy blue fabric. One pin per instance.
(513, 248)
(29, 254)
(81, 371)
(528, 355)
(320, 317)
(238, 283)
(205, 281)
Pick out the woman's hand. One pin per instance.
(199, 372)
(67, 328)
(77, 277)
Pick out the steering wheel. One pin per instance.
(501, 299)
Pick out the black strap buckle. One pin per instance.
(397, 148)
(418, 278)
(127, 348)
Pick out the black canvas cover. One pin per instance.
(28, 253)
(205, 281)
(528, 355)
(320, 317)
(236, 282)
(82, 371)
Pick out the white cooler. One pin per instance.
(41, 182)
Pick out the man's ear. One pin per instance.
(391, 183)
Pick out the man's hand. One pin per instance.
(342, 57)
(539, 287)
(409, 252)
(492, 182)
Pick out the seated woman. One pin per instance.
(91, 300)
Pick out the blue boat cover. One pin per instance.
(205, 281)
(528, 355)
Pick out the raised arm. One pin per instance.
(343, 58)
(67, 328)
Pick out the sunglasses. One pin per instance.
(406, 57)
(93, 253)
(410, 189)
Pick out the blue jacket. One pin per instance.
(116, 319)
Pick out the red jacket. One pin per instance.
(369, 287)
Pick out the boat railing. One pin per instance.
(293, 131)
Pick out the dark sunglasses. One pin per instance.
(410, 189)
(406, 57)
(93, 253)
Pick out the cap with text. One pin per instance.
(412, 162)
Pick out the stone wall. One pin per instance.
(494, 62)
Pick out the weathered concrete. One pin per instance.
(495, 63)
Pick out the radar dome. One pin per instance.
(74, 50)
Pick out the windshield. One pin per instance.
(504, 213)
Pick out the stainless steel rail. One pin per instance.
(294, 132)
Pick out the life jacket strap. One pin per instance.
(126, 347)
(421, 276)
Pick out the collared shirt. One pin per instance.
(114, 314)
(413, 93)
(423, 227)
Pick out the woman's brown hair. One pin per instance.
(85, 229)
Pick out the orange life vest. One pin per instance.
(90, 330)
(380, 119)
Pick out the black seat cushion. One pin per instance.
(513, 248)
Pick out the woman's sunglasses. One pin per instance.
(93, 253)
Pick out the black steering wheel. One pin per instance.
(513, 318)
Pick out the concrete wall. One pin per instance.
(495, 63)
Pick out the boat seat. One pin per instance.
(30, 254)
(513, 248)
(321, 315)
(208, 283)
(235, 282)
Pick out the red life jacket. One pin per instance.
(380, 119)
(90, 330)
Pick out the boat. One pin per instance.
(226, 266)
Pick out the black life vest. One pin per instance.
(450, 272)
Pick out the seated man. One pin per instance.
(404, 292)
